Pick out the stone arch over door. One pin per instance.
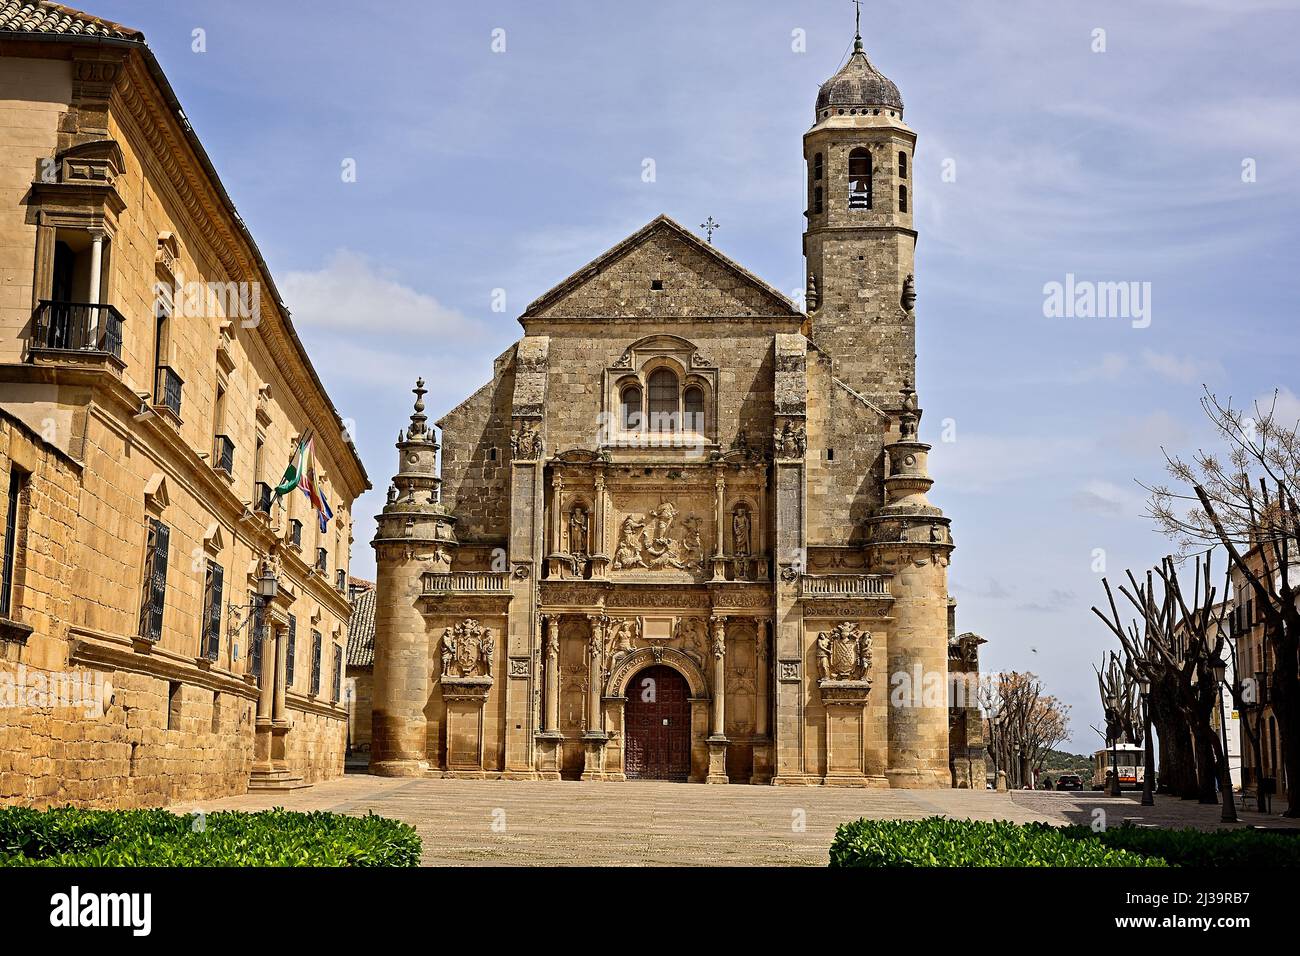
(657, 725)
(622, 674)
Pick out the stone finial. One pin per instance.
(907, 420)
(419, 427)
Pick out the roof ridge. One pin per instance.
(624, 246)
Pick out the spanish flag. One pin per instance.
(301, 474)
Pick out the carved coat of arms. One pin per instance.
(844, 653)
(467, 650)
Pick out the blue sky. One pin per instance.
(479, 170)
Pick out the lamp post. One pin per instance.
(1219, 668)
(1148, 753)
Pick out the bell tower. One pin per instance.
(859, 243)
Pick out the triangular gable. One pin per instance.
(694, 279)
(156, 498)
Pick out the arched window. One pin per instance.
(902, 199)
(902, 165)
(818, 167)
(630, 400)
(817, 199)
(860, 178)
(664, 406)
(693, 409)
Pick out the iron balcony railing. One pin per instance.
(167, 390)
(223, 454)
(78, 327)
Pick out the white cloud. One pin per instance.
(1108, 498)
(352, 293)
(1185, 370)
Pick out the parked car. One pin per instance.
(1069, 781)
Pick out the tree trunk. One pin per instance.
(1287, 709)
(1206, 766)
(1177, 760)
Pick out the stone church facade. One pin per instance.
(683, 533)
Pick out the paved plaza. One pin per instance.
(523, 823)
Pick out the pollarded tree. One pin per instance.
(1246, 503)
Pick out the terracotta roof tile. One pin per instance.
(361, 631)
(41, 16)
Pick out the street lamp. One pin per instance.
(1219, 667)
(1148, 753)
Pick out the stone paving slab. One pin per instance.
(643, 823)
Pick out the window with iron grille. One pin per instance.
(315, 663)
(155, 580)
(341, 580)
(13, 516)
(295, 532)
(290, 651)
(338, 673)
(213, 585)
(322, 559)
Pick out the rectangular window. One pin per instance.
(295, 532)
(13, 518)
(290, 652)
(155, 580)
(338, 673)
(315, 662)
(173, 705)
(213, 585)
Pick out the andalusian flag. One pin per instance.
(301, 474)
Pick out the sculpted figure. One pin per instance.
(740, 531)
(824, 655)
(448, 653)
(628, 552)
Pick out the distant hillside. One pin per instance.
(1078, 763)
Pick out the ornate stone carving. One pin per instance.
(579, 523)
(790, 440)
(649, 541)
(844, 654)
(526, 441)
(520, 666)
(466, 650)
(966, 648)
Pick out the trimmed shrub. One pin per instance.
(938, 841)
(1216, 848)
(68, 836)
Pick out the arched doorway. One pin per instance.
(657, 725)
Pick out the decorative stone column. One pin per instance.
(593, 765)
(270, 770)
(717, 737)
(719, 517)
(600, 556)
(548, 741)
(96, 271)
(762, 772)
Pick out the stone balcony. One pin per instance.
(839, 586)
(467, 582)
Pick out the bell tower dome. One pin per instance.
(859, 242)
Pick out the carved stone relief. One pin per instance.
(466, 650)
(844, 654)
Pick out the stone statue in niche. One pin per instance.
(648, 541)
(740, 528)
(844, 654)
(578, 526)
(466, 650)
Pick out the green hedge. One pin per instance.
(938, 841)
(71, 837)
(1218, 848)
